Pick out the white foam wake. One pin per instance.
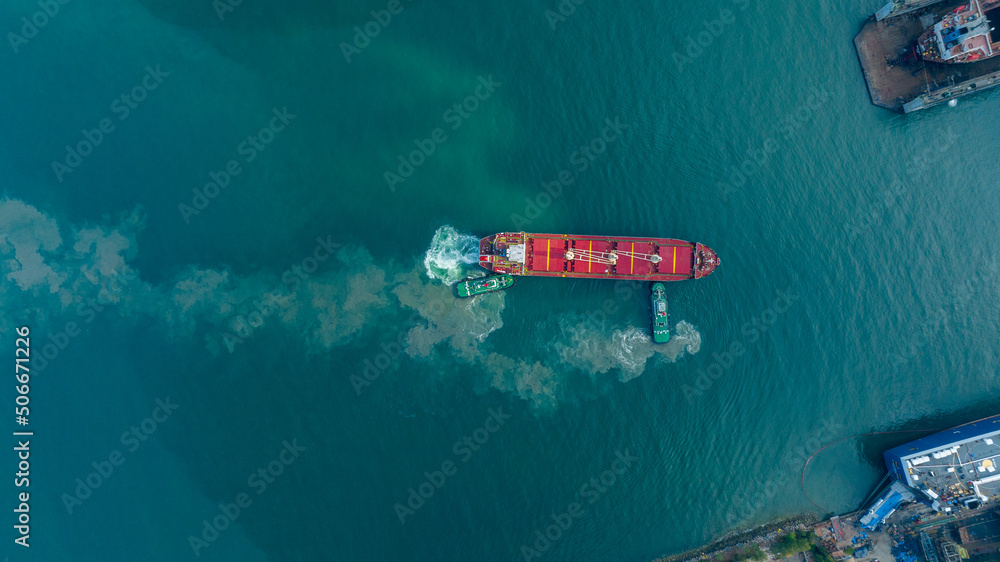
(449, 255)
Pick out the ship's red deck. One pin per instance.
(597, 257)
(546, 256)
(580, 266)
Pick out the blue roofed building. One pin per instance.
(887, 503)
(957, 467)
(953, 467)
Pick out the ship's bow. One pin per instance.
(705, 261)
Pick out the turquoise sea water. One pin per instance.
(300, 319)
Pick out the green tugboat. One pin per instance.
(481, 285)
(661, 321)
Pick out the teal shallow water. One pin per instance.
(879, 230)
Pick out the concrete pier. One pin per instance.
(899, 79)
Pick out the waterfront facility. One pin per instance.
(947, 470)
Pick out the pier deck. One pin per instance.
(899, 79)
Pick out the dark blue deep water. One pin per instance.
(246, 349)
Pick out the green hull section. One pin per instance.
(661, 318)
(483, 285)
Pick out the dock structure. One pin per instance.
(886, 504)
(899, 7)
(954, 467)
(900, 79)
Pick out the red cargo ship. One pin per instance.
(596, 257)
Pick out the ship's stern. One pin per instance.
(487, 251)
